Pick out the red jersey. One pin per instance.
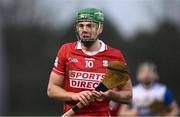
(84, 71)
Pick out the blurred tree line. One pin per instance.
(31, 50)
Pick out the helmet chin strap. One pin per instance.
(88, 42)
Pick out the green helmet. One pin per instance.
(90, 14)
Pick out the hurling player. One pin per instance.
(81, 65)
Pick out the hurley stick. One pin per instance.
(116, 75)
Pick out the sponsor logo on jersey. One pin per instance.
(86, 80)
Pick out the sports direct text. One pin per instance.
(87, 80)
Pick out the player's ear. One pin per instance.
(101, 28)
(76, 27)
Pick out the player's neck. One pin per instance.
(95, 47)
(147, 86)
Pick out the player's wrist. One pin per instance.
(70, 96)
(109, 94)
(112, 95)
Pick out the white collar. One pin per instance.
(103, 46)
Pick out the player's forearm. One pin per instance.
(59, 93)
(120, 96)
(174, 110)
(128, 112)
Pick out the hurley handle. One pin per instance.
(71, 111)
(78, 106)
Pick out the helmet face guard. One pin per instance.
(90, 15)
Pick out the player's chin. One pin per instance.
(88, 39)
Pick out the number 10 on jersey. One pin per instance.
(89, 64)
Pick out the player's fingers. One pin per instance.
(99, 99)
(96, 94)
(92, 98)
(104, 94)
(88, 95)
(84, 98)
(82, 101)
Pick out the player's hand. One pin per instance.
(100, 96)
(85, 97)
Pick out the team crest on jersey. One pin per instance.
(105, 63)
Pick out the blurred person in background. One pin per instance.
(81, 65)
(150, 97)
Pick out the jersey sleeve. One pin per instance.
(121, 58)
(59, 64)
(168, 97)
